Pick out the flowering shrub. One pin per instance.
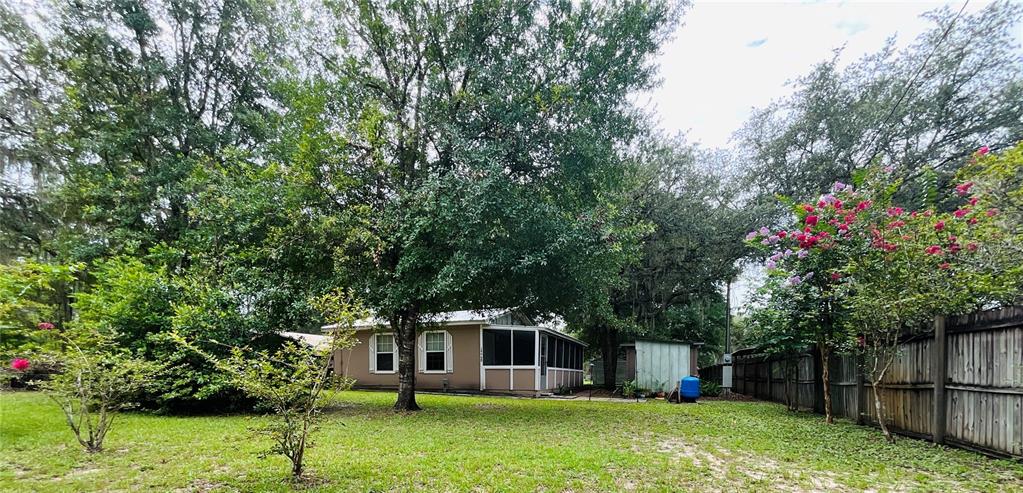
(883, 269)
(19, 364)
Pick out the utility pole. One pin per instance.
(726, 358)
(728, 317)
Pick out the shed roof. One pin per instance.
(313, 340)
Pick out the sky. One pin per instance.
(729, 57)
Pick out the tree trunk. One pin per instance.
(296, 465)
(406, 336)
(826, 377)
(879, 408)
(884, 361)
(790, 399)
(609, 354)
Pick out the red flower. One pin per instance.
(973, 201)
(972, 221)
(961, 212)
(983, 150)
(898, 223)
(807, 207)
(954, 248)
(971, 247)
(940, 225)
(843, 227)
(944, 266)
(836, 276)
(19, 364)
(782, 234)
(837, 204)
(863, 205)
(849, 218)
(811, 220)
(964, 188)
(45, 326)
(895, 211)
(822, 204)
(933, 250)
(992, 212)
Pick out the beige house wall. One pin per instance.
(465, 374)
(465, 353)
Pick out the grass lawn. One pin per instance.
(491, 444)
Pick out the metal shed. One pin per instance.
(654, 365)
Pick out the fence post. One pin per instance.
(818, 380)
(939, 373)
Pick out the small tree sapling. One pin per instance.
(293, 382)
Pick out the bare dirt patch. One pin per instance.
(755, 467)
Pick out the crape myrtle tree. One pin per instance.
(670, 287)
(923, 109)
(473, 152)
(909, 267)
(811, 292)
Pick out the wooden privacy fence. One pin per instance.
(960, 383)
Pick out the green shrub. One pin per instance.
(709, 388)
(628, 389)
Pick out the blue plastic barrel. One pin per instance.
(689, 389)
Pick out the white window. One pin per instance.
(435, 353)
(382, 360)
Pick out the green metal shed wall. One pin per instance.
(660, 365)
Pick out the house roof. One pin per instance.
(466, 317)
(670, 341)
(457, 317)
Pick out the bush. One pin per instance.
(628, 389)
(709, 388)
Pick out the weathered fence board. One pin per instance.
(976, 402)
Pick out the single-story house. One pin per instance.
(654, 365)
(480, 351)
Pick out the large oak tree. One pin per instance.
(474, 152)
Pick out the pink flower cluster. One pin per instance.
(828, 222)
(22, 364)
